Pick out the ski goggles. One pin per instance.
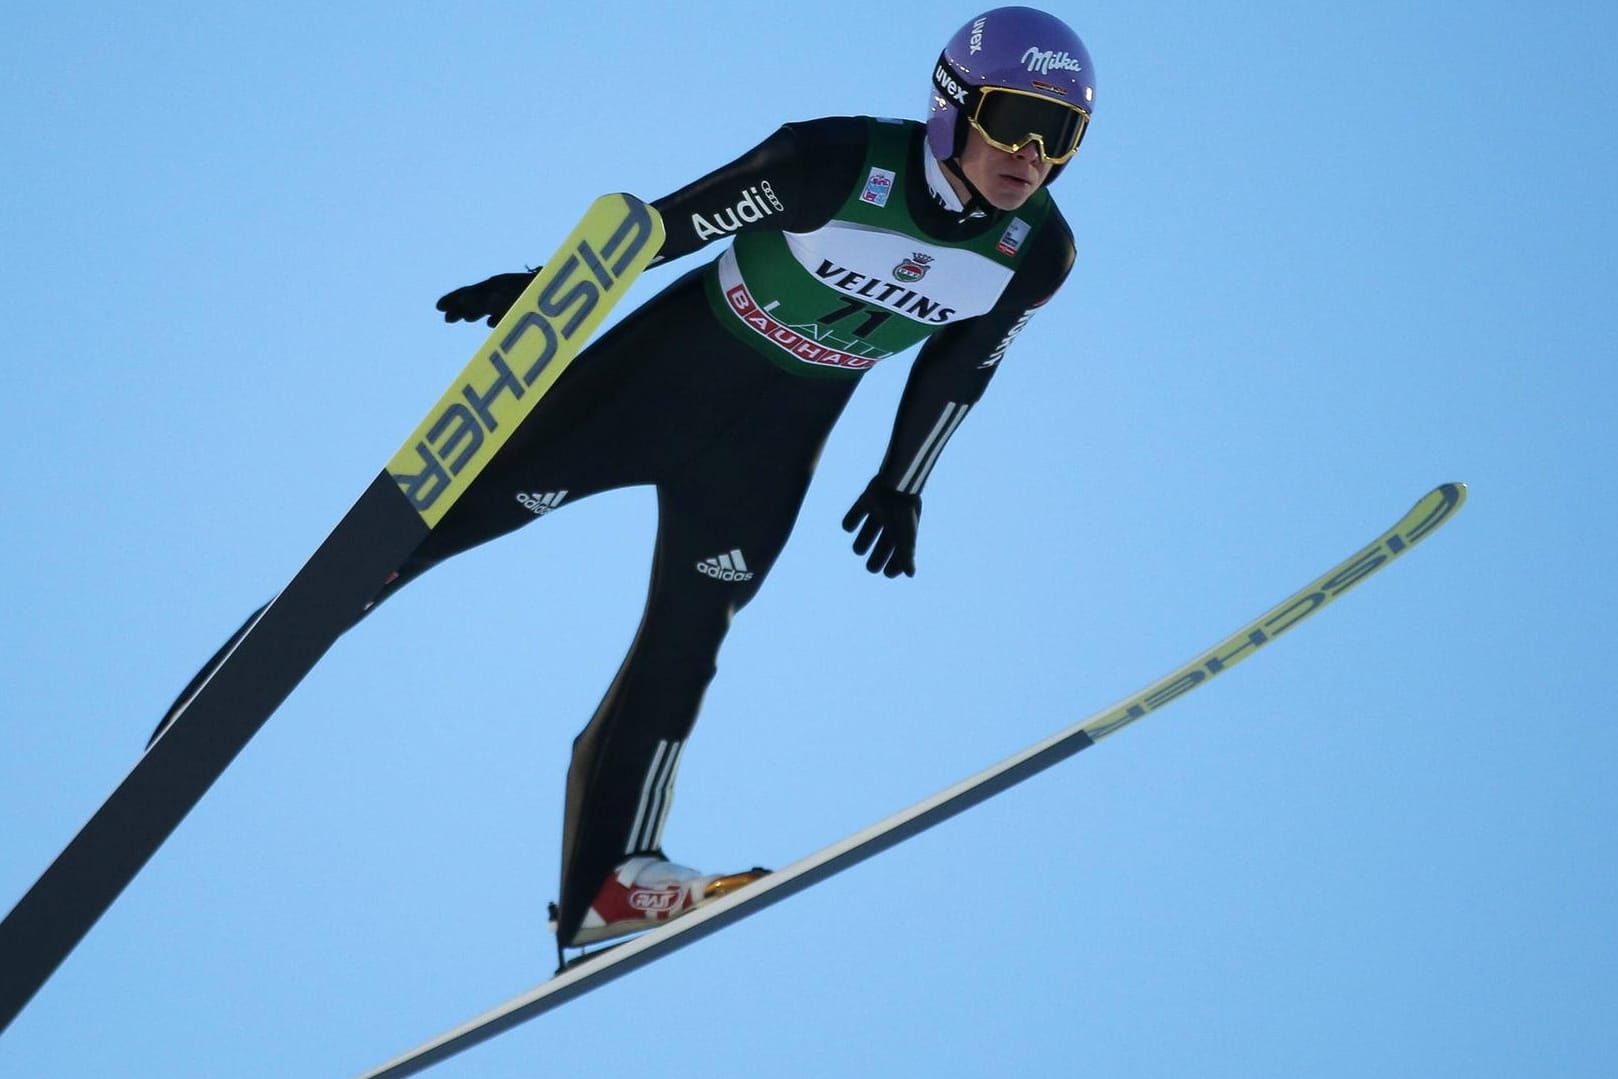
(1010, 119)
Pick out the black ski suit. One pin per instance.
(729, 436)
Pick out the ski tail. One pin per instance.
(237, 691)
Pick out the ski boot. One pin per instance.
(647, 891)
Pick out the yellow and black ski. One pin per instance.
(529, 348)
(601, 967)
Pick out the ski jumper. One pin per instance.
(721, 391)
(848, 246)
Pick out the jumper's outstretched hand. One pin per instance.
(488, 300)
(887, 520)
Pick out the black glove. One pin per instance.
(889, 531)
(489, 299)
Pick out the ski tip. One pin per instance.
(1447, 497)
(1430, 511)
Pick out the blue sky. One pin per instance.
(1328, 258)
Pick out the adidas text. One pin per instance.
(726, 567)
(539, 504)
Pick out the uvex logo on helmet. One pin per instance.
(948, 86)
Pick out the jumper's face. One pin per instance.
(1006, 179)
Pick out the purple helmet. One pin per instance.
(1034, 56)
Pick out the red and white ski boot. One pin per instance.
(647, 891)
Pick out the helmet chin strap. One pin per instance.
(977, 205)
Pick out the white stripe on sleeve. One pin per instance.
(916, 475)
